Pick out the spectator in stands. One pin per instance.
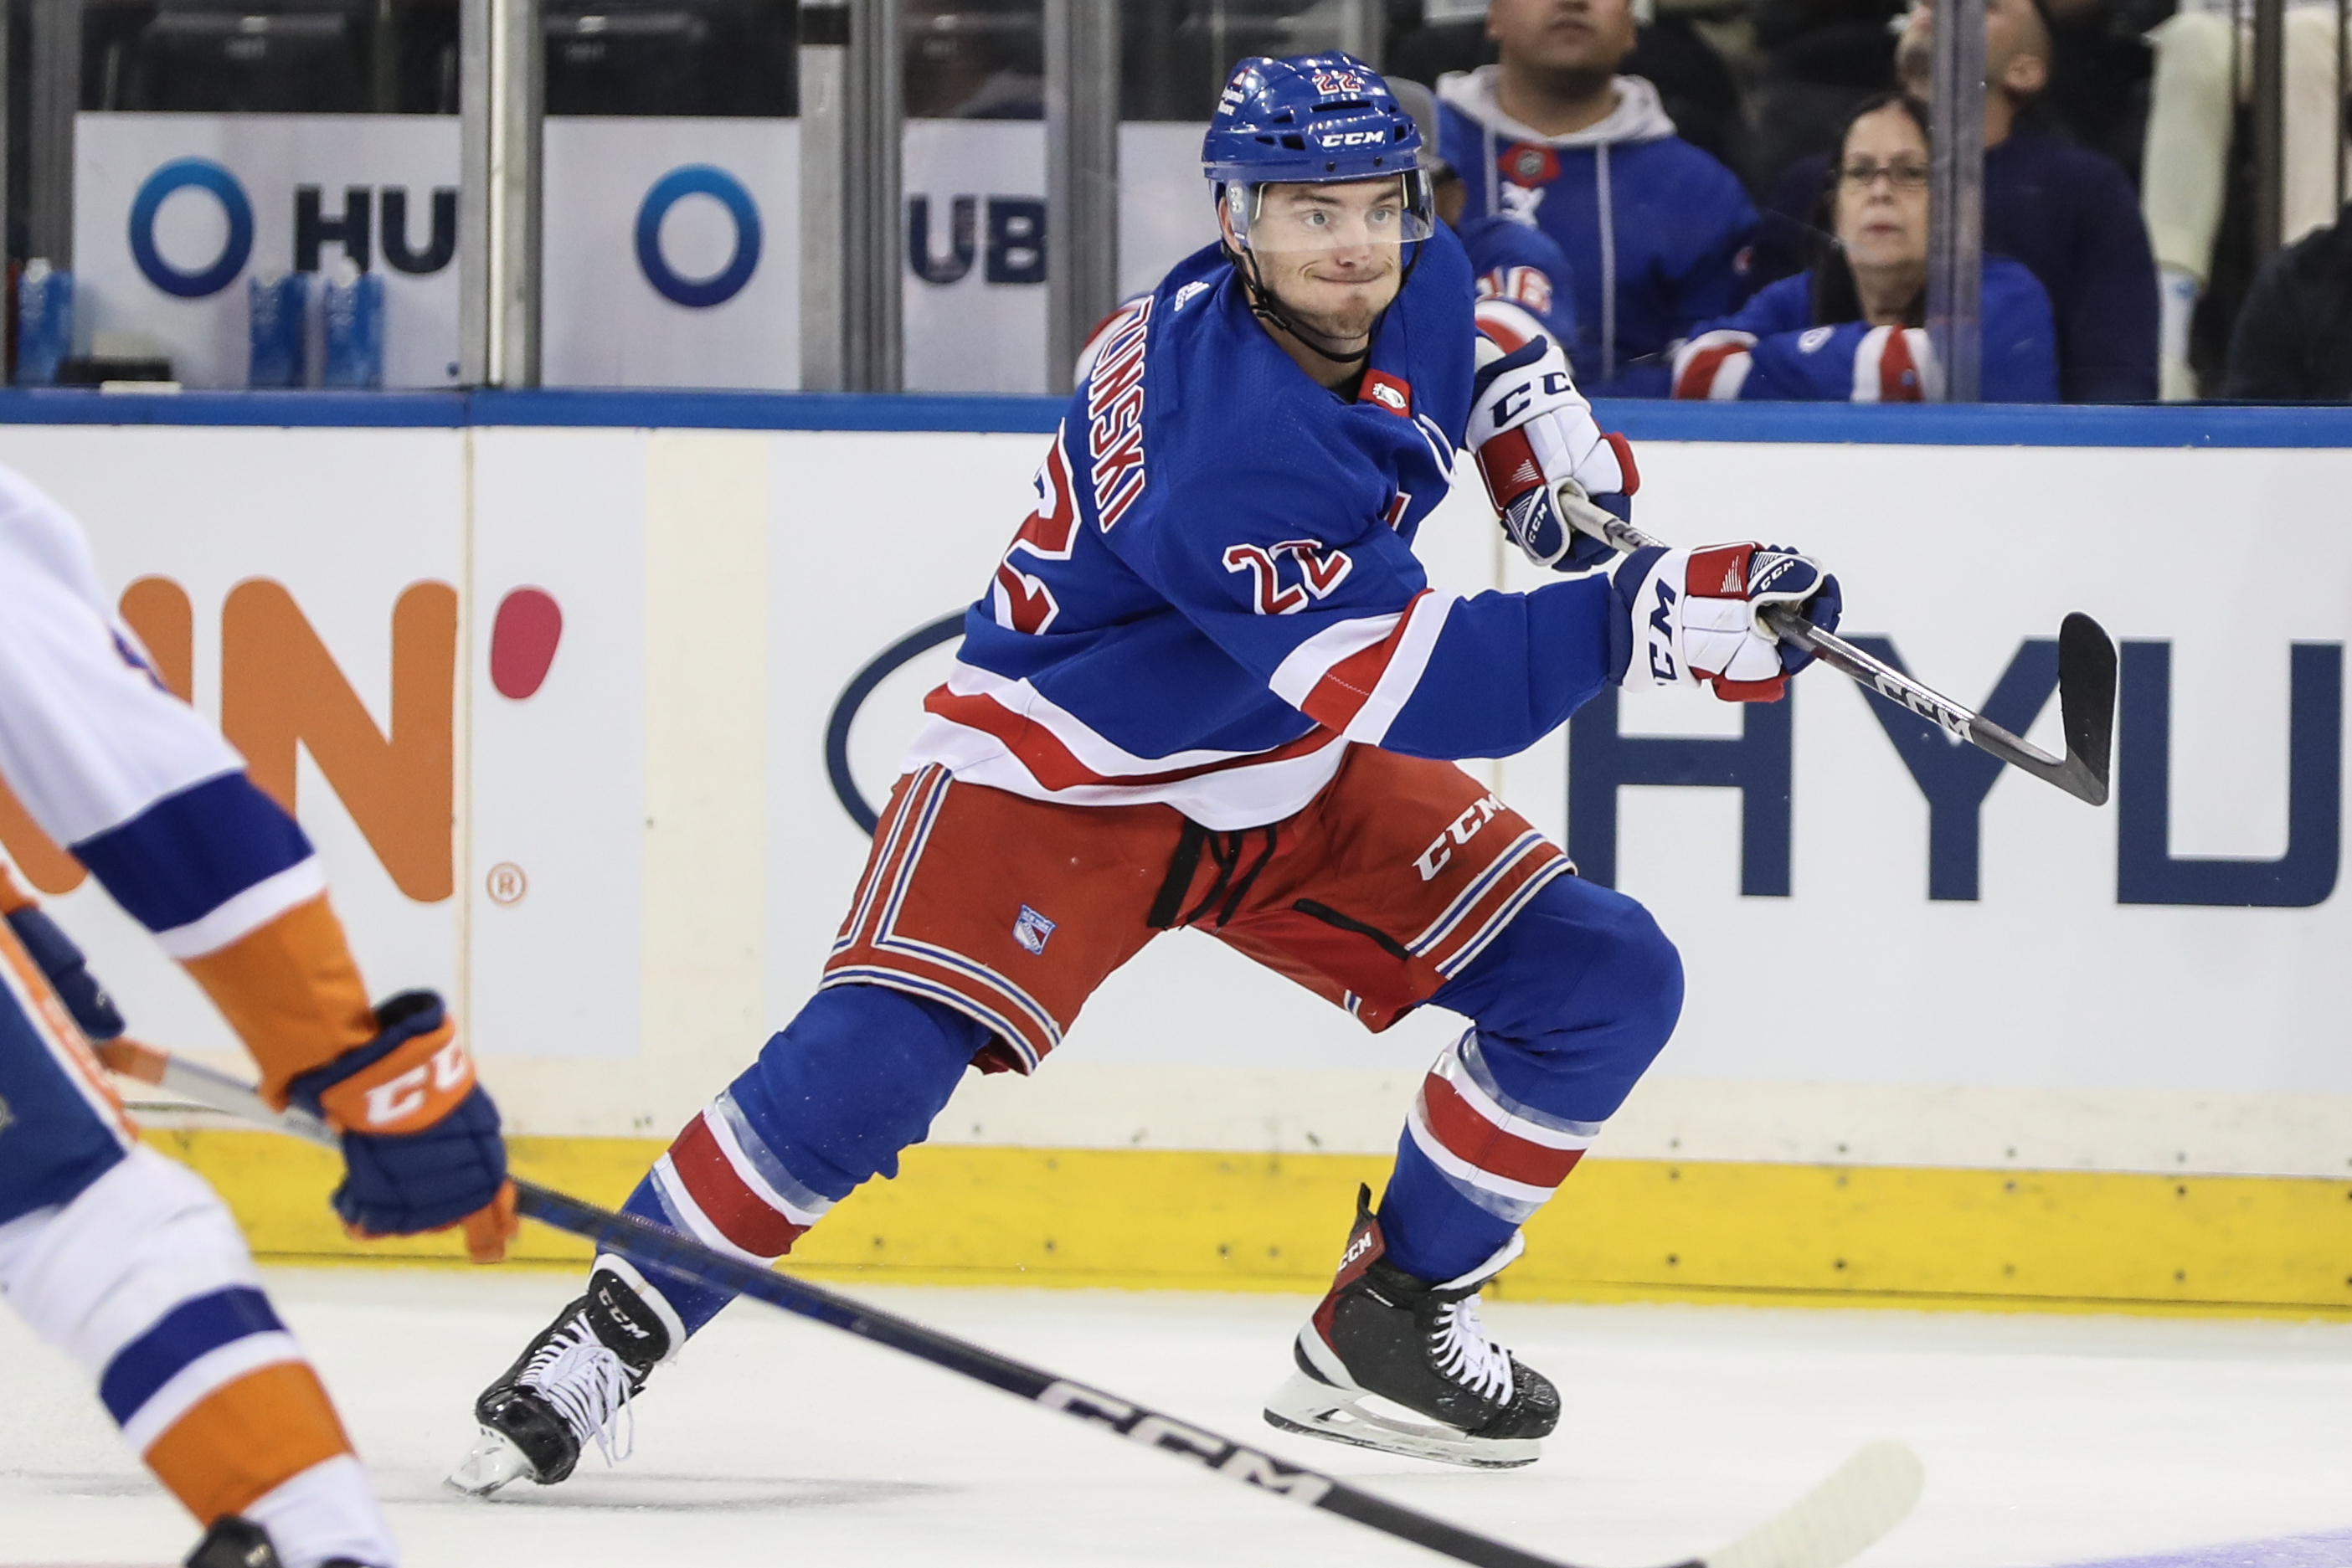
(1522, 276)
(2184, 172)
(1671, 52)
(1651, 225)
(1853, 327)
(1819, 59)
(2066, 213)
(972, 59)
(2099, 69)
(2292, 342)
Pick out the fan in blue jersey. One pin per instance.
(1210, 687)
(1525, 288)
(1853, 326)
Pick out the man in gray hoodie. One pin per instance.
(1653, 227)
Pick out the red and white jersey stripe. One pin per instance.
(987, 728)
(1502, 1155)
(1354, 678)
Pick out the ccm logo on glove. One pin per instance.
(393, 1104)
(1533, 435)
(406, 1079)
(1698, 616)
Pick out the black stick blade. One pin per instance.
(2086, 705)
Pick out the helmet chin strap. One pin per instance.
(1266, 307)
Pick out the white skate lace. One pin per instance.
(588, 1386)
(1466, 1354)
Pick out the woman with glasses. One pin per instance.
(1853, 326)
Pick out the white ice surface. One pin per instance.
(778, 1442)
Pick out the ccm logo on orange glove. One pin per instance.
(421, 1144)
(394, 1097)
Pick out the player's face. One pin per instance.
(1333, 254)
(1882, 203)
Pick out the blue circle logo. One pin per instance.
(699, 180)
(182, 174)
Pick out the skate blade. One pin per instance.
(489, 1463)
(1316, 1409)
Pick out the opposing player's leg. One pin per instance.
(856, 1078)
(1571, 1000)
(133, 1267)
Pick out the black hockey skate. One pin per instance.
(570, 1383)
(1382, 1333)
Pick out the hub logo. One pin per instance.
(368, 215)
(192, 175)
(356, 225)
(1016, 248)
(699, 180)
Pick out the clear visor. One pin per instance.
(1383, 212)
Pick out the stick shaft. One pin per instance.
(648, 1243)
(1960, 722)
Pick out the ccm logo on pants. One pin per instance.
(1461, 831)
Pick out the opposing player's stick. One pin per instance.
(2086, 678)
(1863, 1499)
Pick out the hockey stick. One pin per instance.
(2086, 679)
(1863, 1499)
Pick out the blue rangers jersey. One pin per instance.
(1217, 594)
(1771, 348)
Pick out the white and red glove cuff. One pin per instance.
(1507, 323)
(1693, 622)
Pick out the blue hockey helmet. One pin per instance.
(1313, 120)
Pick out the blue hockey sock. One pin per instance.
(1572, 999)
(694, 1303)
(833, 1097)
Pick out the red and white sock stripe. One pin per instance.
(713, 1184)
(1504, 1156)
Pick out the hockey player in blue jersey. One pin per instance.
(1210, 686)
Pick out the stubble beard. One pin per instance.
(1343, 326)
